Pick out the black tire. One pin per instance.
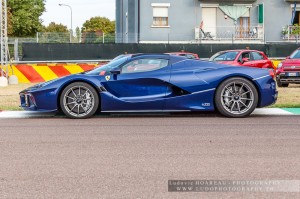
(280, 84)
(79, 100)
(236, 97)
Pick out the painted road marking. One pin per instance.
(24, 114)
(293, 110)
(42, 72)
(72, 68)
(45, 72)
(29, 72)
(60, 71)
(20, 75)
(271, 111)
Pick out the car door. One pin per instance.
(259, 60)
(141, 85)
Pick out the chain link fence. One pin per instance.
(15, 44)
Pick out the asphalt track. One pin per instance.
(121, 156)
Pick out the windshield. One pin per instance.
(189, 56)
(114, 64)
(295, 55)
(224, 56)
(120, 56)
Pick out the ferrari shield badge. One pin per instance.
(107, 77)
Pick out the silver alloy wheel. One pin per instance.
(237, 98)
(79, 101)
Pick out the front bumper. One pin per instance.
(27, 101)
(287, 78)
(39, 100)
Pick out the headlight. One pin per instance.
(279, 65)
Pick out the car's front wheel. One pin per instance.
(236, 97)
(79, 100)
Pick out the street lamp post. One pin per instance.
(71, 32)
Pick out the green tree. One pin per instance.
(99, 23)
(24, 17)
(54, 27)
(78, 34)
(54, 33)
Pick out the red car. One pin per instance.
(288, 71)
(252, 58)
(185, 54)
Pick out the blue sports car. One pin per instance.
(155, 83)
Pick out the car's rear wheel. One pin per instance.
(79, 100)
(236, 97)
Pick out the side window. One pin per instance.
(190, 56)
(144, 65)
(245, 55)
(220, 57)
(257, 56)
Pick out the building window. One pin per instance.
(244, 28)
(160, 14)
(160, 21)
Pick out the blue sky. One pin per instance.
(82, 11)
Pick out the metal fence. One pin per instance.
(230, 33)
(291, 33)
(239, 33)
(16, 44)
(220, 33)
(64, 37)
(86, 37)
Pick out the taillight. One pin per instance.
(272, 74)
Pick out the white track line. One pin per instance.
(24, 114)
(271, 111)
(29, 114)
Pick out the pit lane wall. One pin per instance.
(41, 72)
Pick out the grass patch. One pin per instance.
(9, 97)
(288, 97)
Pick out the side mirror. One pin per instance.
(288, 57)
(115, 72)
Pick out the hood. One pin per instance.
(291, 61)
(291, 65)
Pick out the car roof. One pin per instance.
(180, 53)
(149, 54)
(241, 50)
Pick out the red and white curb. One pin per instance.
(29, 114)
